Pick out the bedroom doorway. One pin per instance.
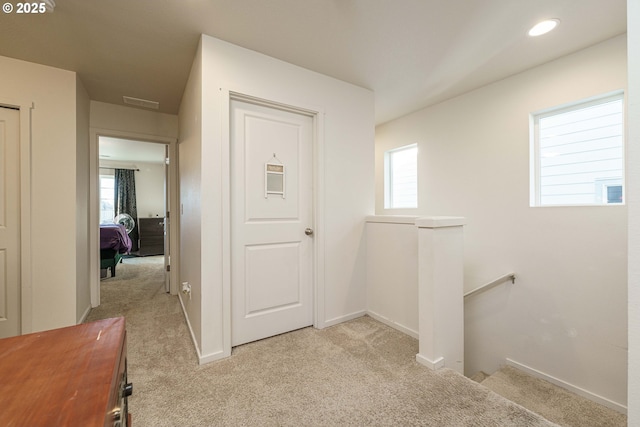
(134, 195)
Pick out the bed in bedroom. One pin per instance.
(114, 243)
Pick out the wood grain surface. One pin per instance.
(63, 377)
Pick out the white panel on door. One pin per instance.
(3, 175)
(272, 277)
(283, 148)
(3, 284)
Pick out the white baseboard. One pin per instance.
(84, 315)
(395, 325)
(341, 319)
(572, 388)
(212, 357)
(434, 365)
(202, 359)
(186, 318)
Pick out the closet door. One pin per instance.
(9, 223)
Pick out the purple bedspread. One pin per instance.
(114, 236)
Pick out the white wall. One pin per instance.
(150, 190)
(392, 272)
(134, 121)
(51, 287)
(346, 195)
(633, 200)
(190, 171)
(566, 314)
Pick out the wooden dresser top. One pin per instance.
(62, 377)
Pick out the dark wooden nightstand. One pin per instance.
(151, 234)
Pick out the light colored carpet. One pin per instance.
(359, 373)
(552, 402)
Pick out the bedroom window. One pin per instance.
(107, 212)
(578, 153)
(401, 177)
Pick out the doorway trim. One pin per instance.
(318, 261)
(94, 197)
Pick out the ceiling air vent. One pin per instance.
(144, 103)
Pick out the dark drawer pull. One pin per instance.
(127, 390)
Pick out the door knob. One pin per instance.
(308, 232)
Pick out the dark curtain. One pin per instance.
(125, 200)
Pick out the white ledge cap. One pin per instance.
(440, 221)
(393, 219)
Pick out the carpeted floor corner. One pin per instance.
(358, 373)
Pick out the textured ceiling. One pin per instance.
(411, 53)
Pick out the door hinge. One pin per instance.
(168, 267)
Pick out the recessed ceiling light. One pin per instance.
(543, 27)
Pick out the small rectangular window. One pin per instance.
(401, 177)
(614, 194)
(106, 199)
(578, 154)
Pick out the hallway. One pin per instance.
(359, 372)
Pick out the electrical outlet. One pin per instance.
(186, 288)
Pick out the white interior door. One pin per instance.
(9, 223)
(271, 221)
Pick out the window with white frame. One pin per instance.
(578, 154)
(401, 177)
(107, 211)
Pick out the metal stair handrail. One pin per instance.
(510, 276)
